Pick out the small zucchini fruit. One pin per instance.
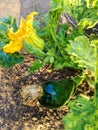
(52, 94)
(57, 93)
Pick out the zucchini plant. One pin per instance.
(68, 38)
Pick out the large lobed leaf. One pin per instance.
(85, 53)
(9, 60)
(81, 115)
(82, 11)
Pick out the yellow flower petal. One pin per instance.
(19, 33)
(22, 28)
(25, 32)
(11, 34)
(31, 35)
(35, 40)
(30, 16)
(13, 46)
(29, 19)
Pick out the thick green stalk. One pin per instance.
(96, 90)
(56, 8)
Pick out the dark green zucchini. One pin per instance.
(56, 94)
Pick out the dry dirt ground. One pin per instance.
(10, 7)
(20, 8)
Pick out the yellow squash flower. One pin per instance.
(12, 48)
(25, 32)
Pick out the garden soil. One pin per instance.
(13, 114)
(16, 116)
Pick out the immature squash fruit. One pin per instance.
(56, 94)
(52, 94)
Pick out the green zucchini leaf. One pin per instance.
(82, 11)
(81, 115)
(92, 3)
(85, 53)
(5, 24)
(9, 60)
(36, 65)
